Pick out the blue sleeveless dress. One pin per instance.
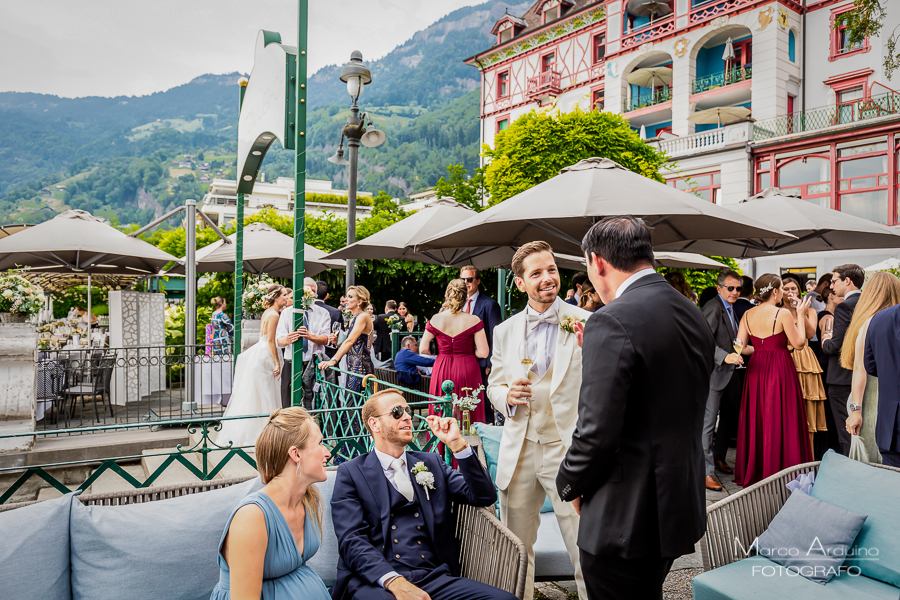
(285, 573)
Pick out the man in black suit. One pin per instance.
(723, 324)
(743, 303)
(845, 281)
(382, 328)
(635, 466)
(488, 310)
(336, 316)
(577, 281)
(882, 360)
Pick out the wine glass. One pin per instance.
(738, 346)
(525, 358)
(335, 329)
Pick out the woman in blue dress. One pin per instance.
(274, 532)
(223, 330)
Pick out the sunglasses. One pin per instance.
(731, 288)
(397, 412)
(468, 279)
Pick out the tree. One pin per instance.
(538, 145)
(468, 191)
(866, 20)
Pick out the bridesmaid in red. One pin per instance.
(772, 430)
(461, 342)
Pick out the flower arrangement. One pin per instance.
(253, 297)
(394, 322)
(20, 296)
(424, 477)
(307, 299)
(45, 328)
(466, 404)
(45, 344)
(567, 323)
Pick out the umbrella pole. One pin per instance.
(190, 302)
(238, 304)
(296, 374)
(501, 292)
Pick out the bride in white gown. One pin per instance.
(257, 386)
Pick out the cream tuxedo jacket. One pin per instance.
(564, 386)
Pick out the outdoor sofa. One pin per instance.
(162, 543)
(735, 522)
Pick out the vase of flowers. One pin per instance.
(466, 404)
(19, 298)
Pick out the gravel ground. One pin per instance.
(676, 587)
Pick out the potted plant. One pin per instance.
(19, 298)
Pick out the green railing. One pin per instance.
(337, 410)
(649, 98)
(717, 80)
(828, 116)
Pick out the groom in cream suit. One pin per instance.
(539, 401)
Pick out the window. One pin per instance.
(505, 35)
(792, 46)
(503, 84)
(502, 124)
(551, 11)
(850, 95)
(548, 62)
(599, 47)
(705, 186)
(809, 177)
(840, 40)
(863, 181)
(598, 99)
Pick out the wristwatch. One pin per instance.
(855, 407)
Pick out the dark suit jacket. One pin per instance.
(360, 507)
(843, 312)
(741, 306)
(383, 338)
(723, 333)
(882, 360)
(488, 310)
(636, 456)
(571, 301)
(336, 317)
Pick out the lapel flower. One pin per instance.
(424, 477)
(567, 323)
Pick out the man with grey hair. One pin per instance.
(408, 361)
(315, 331)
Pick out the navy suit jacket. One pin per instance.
(360, 510)
(487, 309)
(882, 360)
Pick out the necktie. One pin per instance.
(548, 316)
(401, 479)
(730, 310)
(466, 309)
(305, 324)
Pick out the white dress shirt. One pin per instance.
(542, 340)
(389, 473)
(318, 322)
(634, 277)
(470, 302)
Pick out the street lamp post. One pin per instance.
(356, 75)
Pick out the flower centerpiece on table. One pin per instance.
(45, 328)
(254, 295)
(19, 298)
(394, 322)
(466, 404)
(567, 323)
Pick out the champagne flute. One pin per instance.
(738, 346)
(525, 358)
(335, 329)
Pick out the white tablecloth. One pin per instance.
(212, 380)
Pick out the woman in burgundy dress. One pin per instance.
(772, 430)
(461, 342)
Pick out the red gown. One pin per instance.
(772, 430)
(456, 362)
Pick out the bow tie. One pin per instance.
(550, 316)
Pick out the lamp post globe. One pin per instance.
(356, 75)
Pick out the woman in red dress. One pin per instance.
(772, 430)
(461, 342)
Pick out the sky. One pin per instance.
(136, 47)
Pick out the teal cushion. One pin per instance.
(871, 491)
(490, 441)
(325, 560)
(759, 578)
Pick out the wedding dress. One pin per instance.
(255, 392)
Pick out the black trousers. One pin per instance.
(729, 414)
(286, 384)
(837, 400)
(440, 587)
(614, 578)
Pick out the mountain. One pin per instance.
(123, 157)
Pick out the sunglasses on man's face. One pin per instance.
(731, 288)
(397, 412)
(468, 279)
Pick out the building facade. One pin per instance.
(799, 107)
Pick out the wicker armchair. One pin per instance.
(733, 523)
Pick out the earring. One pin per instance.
(298, 473)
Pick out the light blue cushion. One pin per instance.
(324, 563)
(161, 549)
(871, 491)
(810, 536)
(551, 559)
(759, 578)
(490, 440)
(34, 551)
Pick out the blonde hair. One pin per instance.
(455, 295)
(371, 407)
(217, 302)
(287, 427)
(880, 292)
(274, 292)
(362, 295)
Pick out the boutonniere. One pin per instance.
(567, 323)
(423, 477)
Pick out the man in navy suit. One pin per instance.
(336, 315)
(882, 360)
(485, 308)
(396, 536)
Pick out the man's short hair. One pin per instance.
(391, 305)
(579, 279)
(746, 286)
(623, 242)
(321, 290)
(524, 252)
(371, 407)
(852, 272)
(476, 273)
(725, 274)
(407, 340)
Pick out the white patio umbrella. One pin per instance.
(720, 115)
(647, 77)
(728, 55)
(674, 260)
(887, 264)
(815, 228)
(266, 250)
(562, 209)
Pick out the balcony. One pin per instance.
(545, 85)
(722, 79)
(656, 96)
(714, 139)
(649, 32)
(814, 119)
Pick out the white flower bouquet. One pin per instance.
(424, 477)
(254, 295)
(307, 299)
(20, 296)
